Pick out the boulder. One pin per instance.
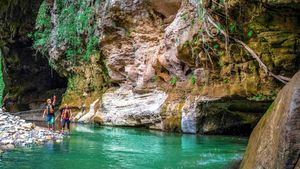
(275, 141)
(125, 107)
(88, 117)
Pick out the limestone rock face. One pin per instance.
(189, 119)
(125, 107)
(90, 114)
(275, 141)
(190, 83)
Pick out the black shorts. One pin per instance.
(64, 122)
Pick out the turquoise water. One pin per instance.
(91, 147)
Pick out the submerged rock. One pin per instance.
(275, 141)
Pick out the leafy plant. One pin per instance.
(261, 97)
(193, 79)
(104, 67)
(186, 44)
(173, 80)
(184, 16)
(225, 80)
(232, 27)
(43, 29)
(71, 83)
(216, 46)
(250, 33)
(75, 28)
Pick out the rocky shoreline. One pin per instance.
(16, 132)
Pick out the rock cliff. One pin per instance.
(196, 66)
(274, 143)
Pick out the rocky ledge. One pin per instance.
(16, 132)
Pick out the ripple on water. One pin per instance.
(108, 147)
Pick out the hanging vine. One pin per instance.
(214, 24)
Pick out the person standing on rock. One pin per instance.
(49, 110)
(66, 116)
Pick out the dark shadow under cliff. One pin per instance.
(28, 78)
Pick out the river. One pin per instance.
(91, 147)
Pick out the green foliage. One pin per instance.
(43, 29)
(193, 22)
(71, 83)
(186, 44)
(225, 80)
(232, 27)
(75, 28)
(173, 80)
(216, 46)
(184, 16)
(2, 84)
(262, 97)
(221, 53)
(220, 27)
(250, 33)
(193, 79)
(104, 67)
(91, 47)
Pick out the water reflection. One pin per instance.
(109, 147)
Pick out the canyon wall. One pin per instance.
(183, 60)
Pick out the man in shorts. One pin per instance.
(49, 110)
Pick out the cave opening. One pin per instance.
(28, 78)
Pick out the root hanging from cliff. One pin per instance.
(250, 51)
(208, 20)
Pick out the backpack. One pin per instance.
(51, 109)
(66, 113)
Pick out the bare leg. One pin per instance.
(68, 125)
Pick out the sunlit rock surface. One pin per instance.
(189, 119)
(90, 114)
(125, 107)
(275, 141)
(15, 132)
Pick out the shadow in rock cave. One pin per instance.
(28, 78)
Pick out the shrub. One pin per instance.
(173, 80)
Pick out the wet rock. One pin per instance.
(189, 119)
(28, 125)
(7, 147)
(274, 143)
(16, 132)
(88, 117)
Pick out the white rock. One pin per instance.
(7, 141)
(125, 107)
(87, 117)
